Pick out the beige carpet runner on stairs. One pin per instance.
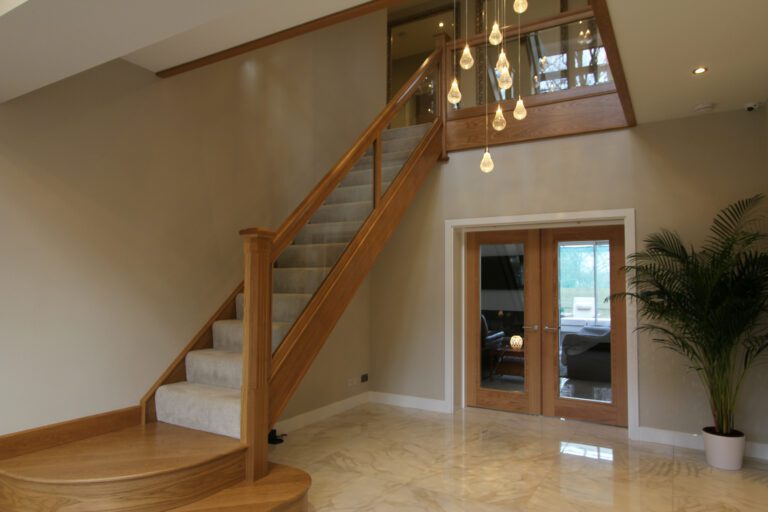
(209, 399)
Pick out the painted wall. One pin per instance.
(676, 174)
(121, 196)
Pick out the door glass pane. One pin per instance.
(584, 285)
(502, 316)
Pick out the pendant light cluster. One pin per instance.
(503, 71)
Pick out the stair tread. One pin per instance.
(134, 452)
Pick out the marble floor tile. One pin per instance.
(383, 458)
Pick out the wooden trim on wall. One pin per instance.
(28, 441)
(177, 370)
(536, 100)
(511, 31)
(605, 27)
(304, 28)
(583, 115)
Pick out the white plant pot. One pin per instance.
(724, 452)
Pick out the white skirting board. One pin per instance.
(647, 434)
(692, 441)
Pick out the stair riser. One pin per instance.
(354, 194)
(298, 280)
(318, 255)
(230, 337)
(327, 233)
(416, 131)
(343, 212)
(356, 178)
(218, 414)
(395, 145)
(212, 368)
(366, 162)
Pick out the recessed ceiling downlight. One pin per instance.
(700, 70)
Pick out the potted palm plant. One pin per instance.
(710, 305)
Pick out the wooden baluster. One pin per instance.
(257, 350)
(443, 79)
(377, 149)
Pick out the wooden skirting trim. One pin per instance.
(177, 371)
(304, 28)
(583, 115)
(28, 441)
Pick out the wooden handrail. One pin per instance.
(511, 31)
(301, 215)
(303, 342)
(263, 381)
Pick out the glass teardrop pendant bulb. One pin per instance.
(502, 62)
(519, 111)
(520, 6)
(454, 95)
(466, 61)
(505, 79)
(499, 123)
(495, 37)
(486, 164)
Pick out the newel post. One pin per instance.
(257, 350)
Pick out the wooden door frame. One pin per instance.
(614, 413)
(530, 400)
(454, 246)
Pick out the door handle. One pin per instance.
(550, 329)
(534, 328)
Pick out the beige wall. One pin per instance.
(676, 174)
(121, 196)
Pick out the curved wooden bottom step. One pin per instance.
(149, 468)
(283, 490)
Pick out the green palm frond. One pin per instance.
(710, 305)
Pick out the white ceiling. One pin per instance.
(662, 41)
(43, 41)
(258, 19)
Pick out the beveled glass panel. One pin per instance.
(502, 316)
(584, 285)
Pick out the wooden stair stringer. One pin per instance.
(308, 334)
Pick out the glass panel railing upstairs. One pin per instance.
(560, 58)
(407, 129)
(314, 238)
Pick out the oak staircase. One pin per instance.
(202, 444)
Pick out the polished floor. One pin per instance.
(383, 458)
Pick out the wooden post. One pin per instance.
(257, 350)
(377, 149)
(443, 78)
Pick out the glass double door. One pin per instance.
(542, 335)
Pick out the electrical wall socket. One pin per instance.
(350, 383)
(364, 378)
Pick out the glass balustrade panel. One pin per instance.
(407, 129)
(556, 59)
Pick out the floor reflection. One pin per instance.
(384, 458)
